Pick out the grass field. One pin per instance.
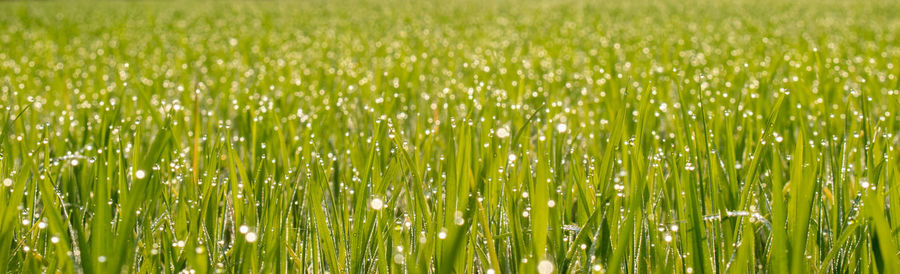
(487, 136)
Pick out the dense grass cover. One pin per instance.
(471, 137)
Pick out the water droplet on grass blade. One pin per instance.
(502, 132)
(251, 237)
(689, 166)
(561, 128)
(545, 267)
(376, 204)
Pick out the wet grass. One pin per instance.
(470, 137)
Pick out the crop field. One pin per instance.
(489, 136)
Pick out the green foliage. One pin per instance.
(468, 137)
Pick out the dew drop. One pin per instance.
(502, 132)
(251, 237)
(545, 267)
(376, 204)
